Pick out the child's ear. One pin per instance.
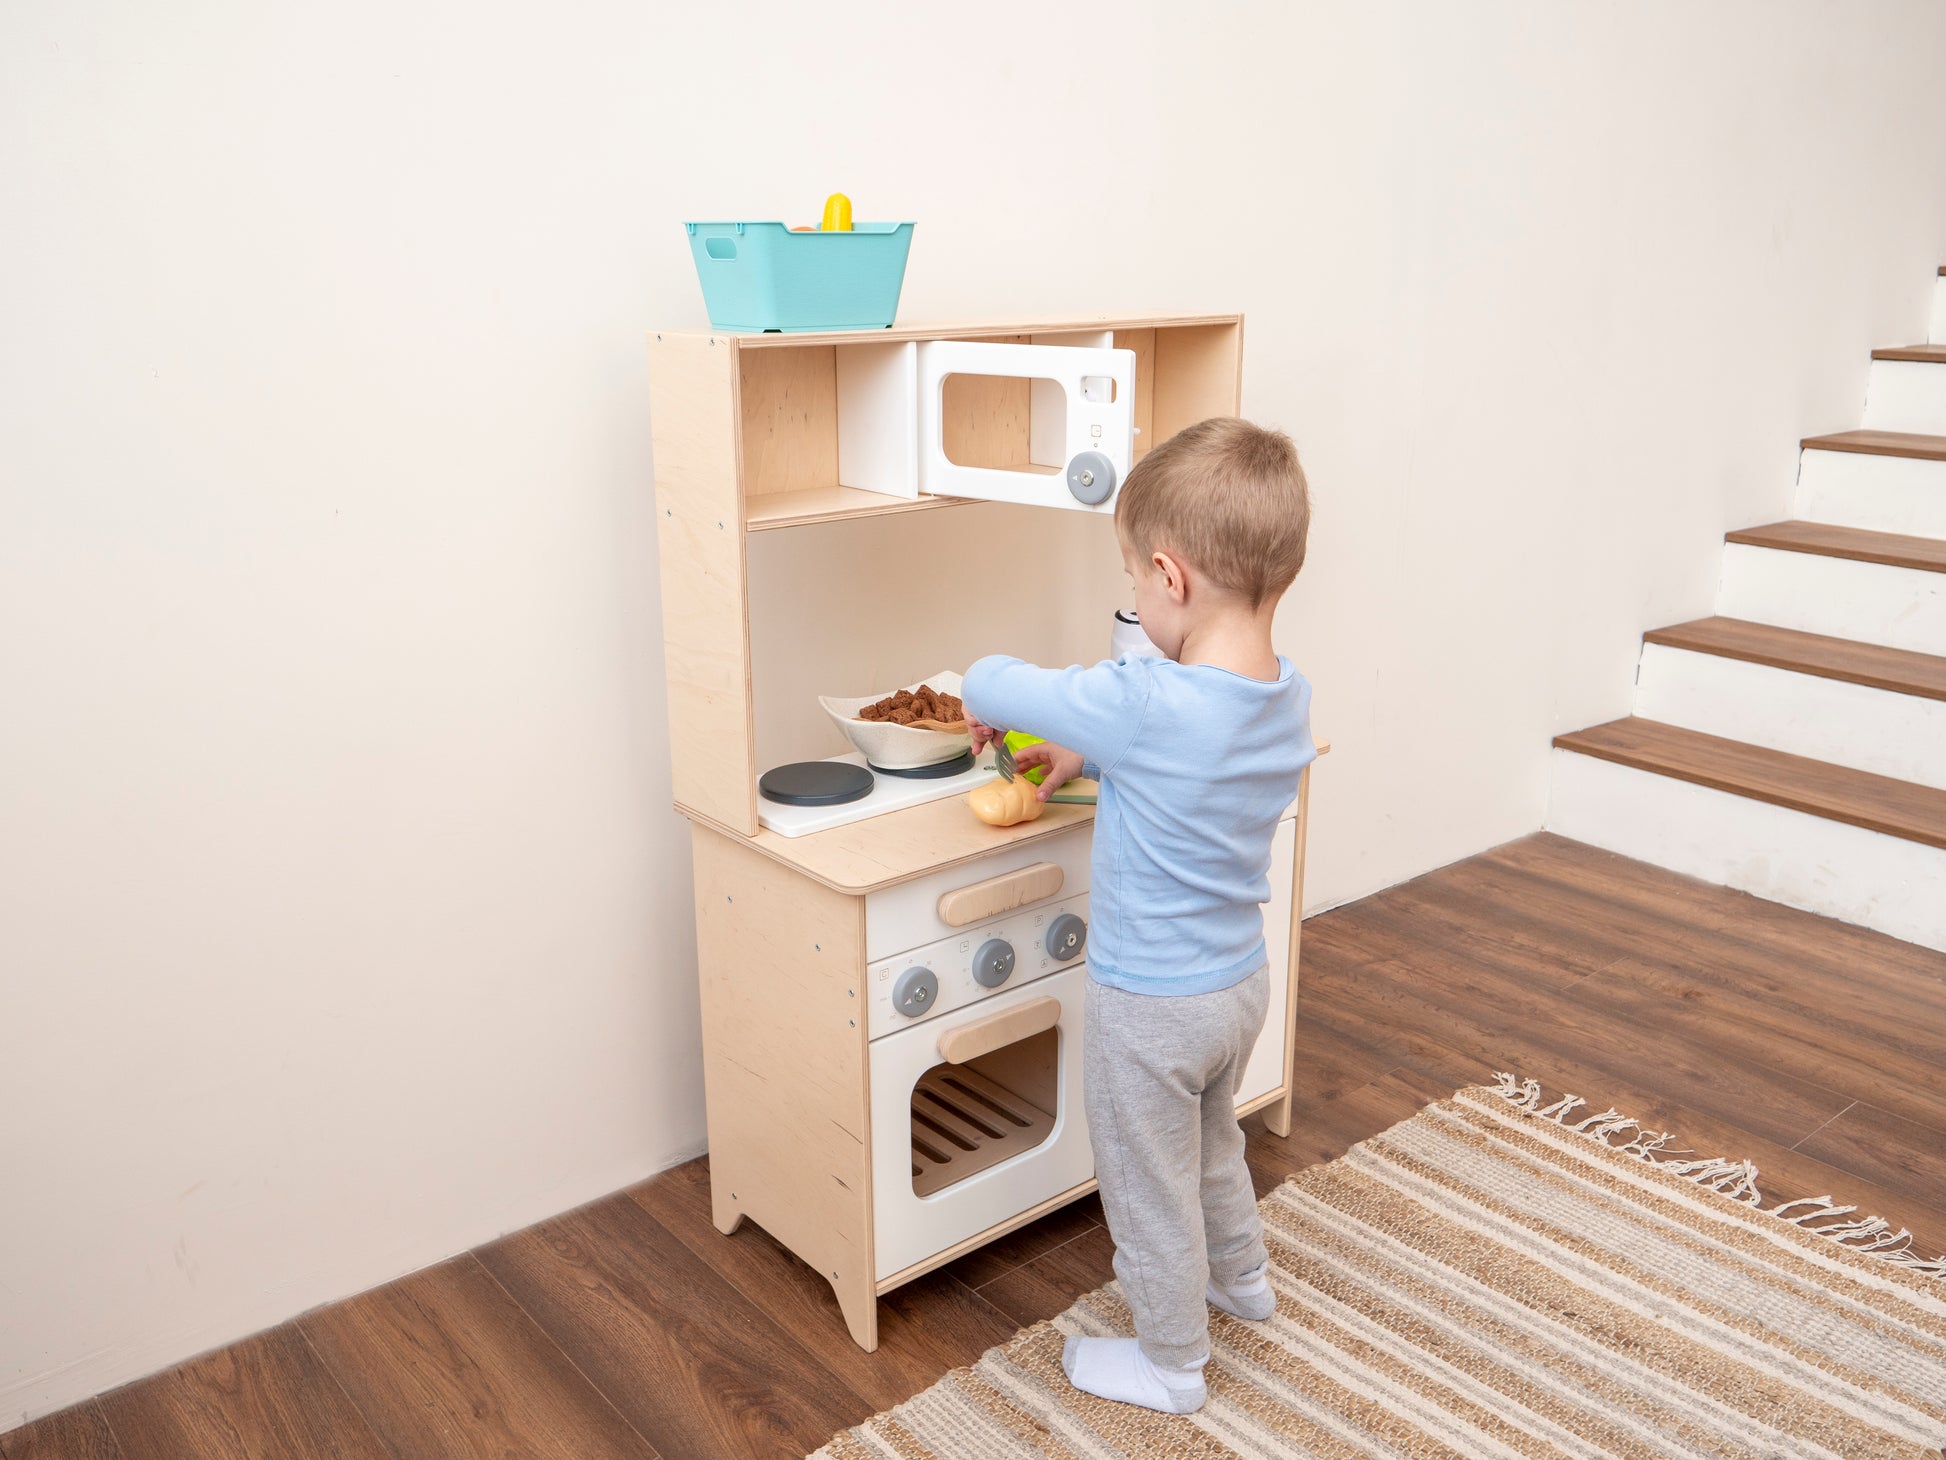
(1174, 584)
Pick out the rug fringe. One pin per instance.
(1734, 1179)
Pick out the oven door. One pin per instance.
(977, 1116)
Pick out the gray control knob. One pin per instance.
(1091, 478)
(1067, 935)
(915, 992)
(993, 965)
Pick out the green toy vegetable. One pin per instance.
(1016, 741)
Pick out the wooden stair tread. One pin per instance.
(1880, 443)
(1904, 671)
(1838, 793)
(1925, 354)
(1928, 554)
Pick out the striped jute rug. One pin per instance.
(1499, 1276)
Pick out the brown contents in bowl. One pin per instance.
(923, 703)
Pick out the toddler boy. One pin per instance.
(1198, 755)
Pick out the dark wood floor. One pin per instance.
(631, 1328)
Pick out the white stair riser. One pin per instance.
(1900, 607)
(1883, 493)
(1827, 867)
(1937, 334)
(1875, 730)
(1906, 395)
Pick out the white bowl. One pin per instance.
(897, 747)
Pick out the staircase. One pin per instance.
(1794, 745)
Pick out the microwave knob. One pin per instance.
(1091, 478)
(993, 965)
(1067, 935)
(915, 993)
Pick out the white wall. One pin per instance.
(343, 923)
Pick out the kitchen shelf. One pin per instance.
(767, 511)
(955, 329)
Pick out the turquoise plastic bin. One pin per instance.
(762, 276)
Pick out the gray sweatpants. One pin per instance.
(1161, 1076)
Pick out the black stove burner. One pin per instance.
(958, 765)
(815, 783)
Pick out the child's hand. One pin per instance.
(982, 733)
(1063, 765)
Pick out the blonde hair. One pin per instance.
(1229, 498)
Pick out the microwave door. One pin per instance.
(1037, 425)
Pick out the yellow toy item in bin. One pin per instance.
(837, 214)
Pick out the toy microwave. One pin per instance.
(897, 435)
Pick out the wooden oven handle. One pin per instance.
(997, 895)
(1023, 1021)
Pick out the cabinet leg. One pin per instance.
(858, 1301)
(1277, 1116)
(724, 1212)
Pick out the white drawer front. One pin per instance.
(907, 916)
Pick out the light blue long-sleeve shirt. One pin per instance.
(1196, 765)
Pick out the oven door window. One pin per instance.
(967, 1117)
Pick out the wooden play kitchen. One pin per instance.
(892, 1003)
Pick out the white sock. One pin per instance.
(1248, 1297)
(1116, 1368)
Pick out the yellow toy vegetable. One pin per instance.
(1005, 803)
(837, 214)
